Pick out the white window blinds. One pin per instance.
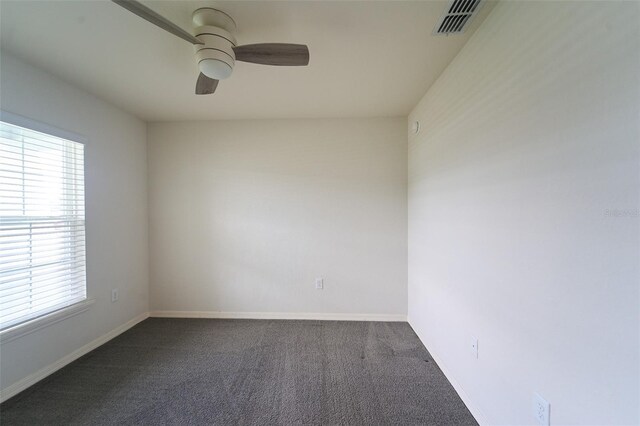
(42, 238)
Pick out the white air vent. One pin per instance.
(457, 16)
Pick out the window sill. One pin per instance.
(44, 321)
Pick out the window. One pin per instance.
(42, 227)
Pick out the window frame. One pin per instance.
(60, 314)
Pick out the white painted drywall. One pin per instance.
(116, 212)
(244, 215)
(524, 188)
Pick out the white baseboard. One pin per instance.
(279, 315)
(32, 379)
(475, 411)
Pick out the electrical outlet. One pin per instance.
(474, 346)
(319, 283)
(114, 295)
(541, 409)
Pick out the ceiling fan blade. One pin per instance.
(285, 54)
(205, 85)
(145, 13)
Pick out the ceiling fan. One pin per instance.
(216, 48)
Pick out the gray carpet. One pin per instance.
(249, 372)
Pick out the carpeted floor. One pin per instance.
(258, 372)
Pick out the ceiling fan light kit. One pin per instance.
(215, 56)
(215, 46)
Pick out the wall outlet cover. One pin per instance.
(474, 346)
(541, 409)
(114, 295)
(319, 283)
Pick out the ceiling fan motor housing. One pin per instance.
(215, 57)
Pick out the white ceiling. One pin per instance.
(368, 58)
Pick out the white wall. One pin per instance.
(116, 213)
(245, 214)
(528, 139)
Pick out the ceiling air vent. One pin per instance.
(457, 16)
